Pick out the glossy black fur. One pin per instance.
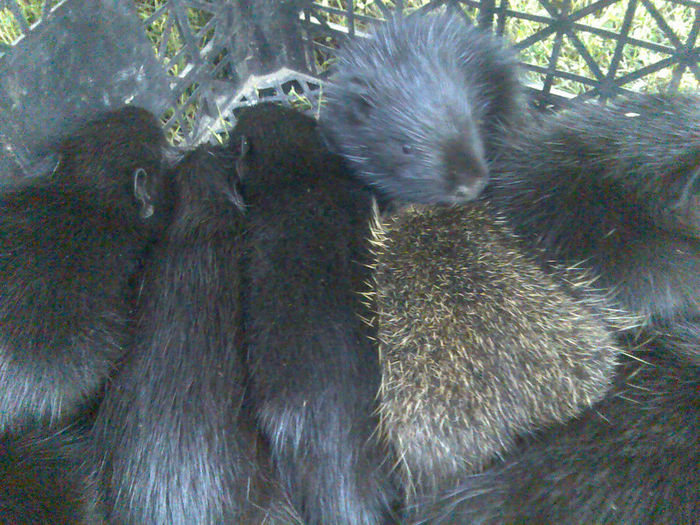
(314, 371)
(178, 446)
(71, 242)
(172, 432)
(44, 478)
(632, 458)
(615, 189)
(415, 108)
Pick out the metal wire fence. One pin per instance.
(195, 61)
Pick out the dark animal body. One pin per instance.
(44, 478)
(615, 189)
(416, 107)
(313, 369)
(478, 344)
(608, 193)
(612, 190)
(632, 458)
(188, 455)
(462, 399)
(173, 436)
(71, 244)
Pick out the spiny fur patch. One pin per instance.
(473, 338)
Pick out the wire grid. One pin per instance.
(553, 33)
(197, 51)
(205, 47)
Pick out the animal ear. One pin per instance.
(142, 193)
(242, 148)
(688, 206)
(359, 99)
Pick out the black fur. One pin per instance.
(415, 108)
(314, 371)
(44, 478)
(615, 189)
(71, 242)
(172, 433)
(177, 443)
(632, 458)
(680, 336)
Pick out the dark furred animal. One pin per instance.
(632, 458)
(70, 244)
(478, 344)
(44, 480)
(314, 370)
(415, 108)
(615, 189)
(612, 191)
(173, 436)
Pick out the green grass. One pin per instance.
(168, 44)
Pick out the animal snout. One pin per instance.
(469, 183)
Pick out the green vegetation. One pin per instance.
(10, 29)
(168, 42)
(601, 47)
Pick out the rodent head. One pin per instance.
(408, 108)
(411, 142)
(119, 159)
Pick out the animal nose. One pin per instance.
(467, 171)
(469, 184)
(470, 191)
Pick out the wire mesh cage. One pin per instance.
(585, 48)
(195, 61)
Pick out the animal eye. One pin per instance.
(407, 149)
